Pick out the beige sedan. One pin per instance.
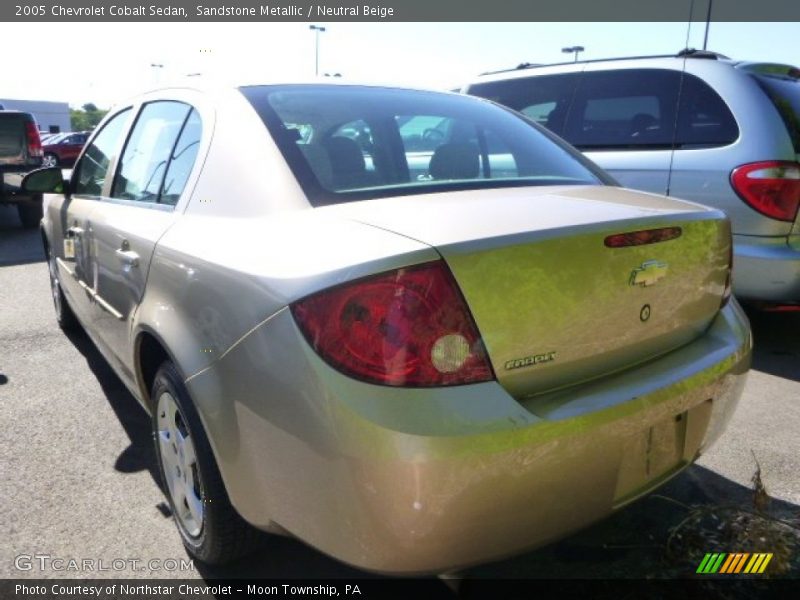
(410, 328)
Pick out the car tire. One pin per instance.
(211, 529)
(49, 160)
(30, 214)
(65, 318)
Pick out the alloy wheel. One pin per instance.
(55, 287)
(179, 465)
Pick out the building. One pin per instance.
(51, 116)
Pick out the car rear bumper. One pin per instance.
(766, 268)
(412, 481)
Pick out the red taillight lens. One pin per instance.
(408, 327)
(643, 237)
(34, 141)
(770, 187)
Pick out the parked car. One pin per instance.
(697, 126)
(411, 371)
(20, 152)
(64, 149)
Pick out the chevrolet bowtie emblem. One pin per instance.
(649, 273)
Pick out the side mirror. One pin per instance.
(45, 181)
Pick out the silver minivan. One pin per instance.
(697, 126)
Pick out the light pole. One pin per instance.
(317, 30)
(575, 49)
(157, 73)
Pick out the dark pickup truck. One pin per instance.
(20, 152)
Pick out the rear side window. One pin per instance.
(784, 92)
(704, 120)
(182, 161)
(148, 151)
(624, 109)
(544, 99)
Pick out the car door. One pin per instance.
(71, 215)
(139, 208)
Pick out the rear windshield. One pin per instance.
(12, 133)
(785, 95)
(351, 143)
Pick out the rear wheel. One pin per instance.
(64, 316)
(211, 529)
(30, 213)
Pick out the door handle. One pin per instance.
(74, 231)
(127, 257)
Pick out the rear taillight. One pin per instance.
(770, 187)
(33, 139)
(409, 327)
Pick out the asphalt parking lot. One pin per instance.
(79, 478)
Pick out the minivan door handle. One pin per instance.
(128, 257)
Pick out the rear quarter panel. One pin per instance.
(703, 175)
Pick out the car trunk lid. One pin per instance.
(554, 305)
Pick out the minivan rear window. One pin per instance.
(348, 143)
(784, 92)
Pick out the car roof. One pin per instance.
(527, 69)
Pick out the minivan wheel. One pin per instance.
(64, 316)
(211, 529)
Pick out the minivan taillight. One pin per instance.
(770, 187)
(33, 139)
(409, 327)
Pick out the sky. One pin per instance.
(104, 63)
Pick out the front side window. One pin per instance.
(147, 153)
(364, 142)
(92, 170)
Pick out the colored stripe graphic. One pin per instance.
(734, 563)
(728, 563)
(711, 563)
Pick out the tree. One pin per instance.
(85, 118)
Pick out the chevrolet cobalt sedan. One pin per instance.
(412, 329)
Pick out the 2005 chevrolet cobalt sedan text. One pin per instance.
(411, 328)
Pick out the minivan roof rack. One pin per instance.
(685, 53)
(694, 53)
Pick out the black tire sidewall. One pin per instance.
(168, 379)
(66, 318)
